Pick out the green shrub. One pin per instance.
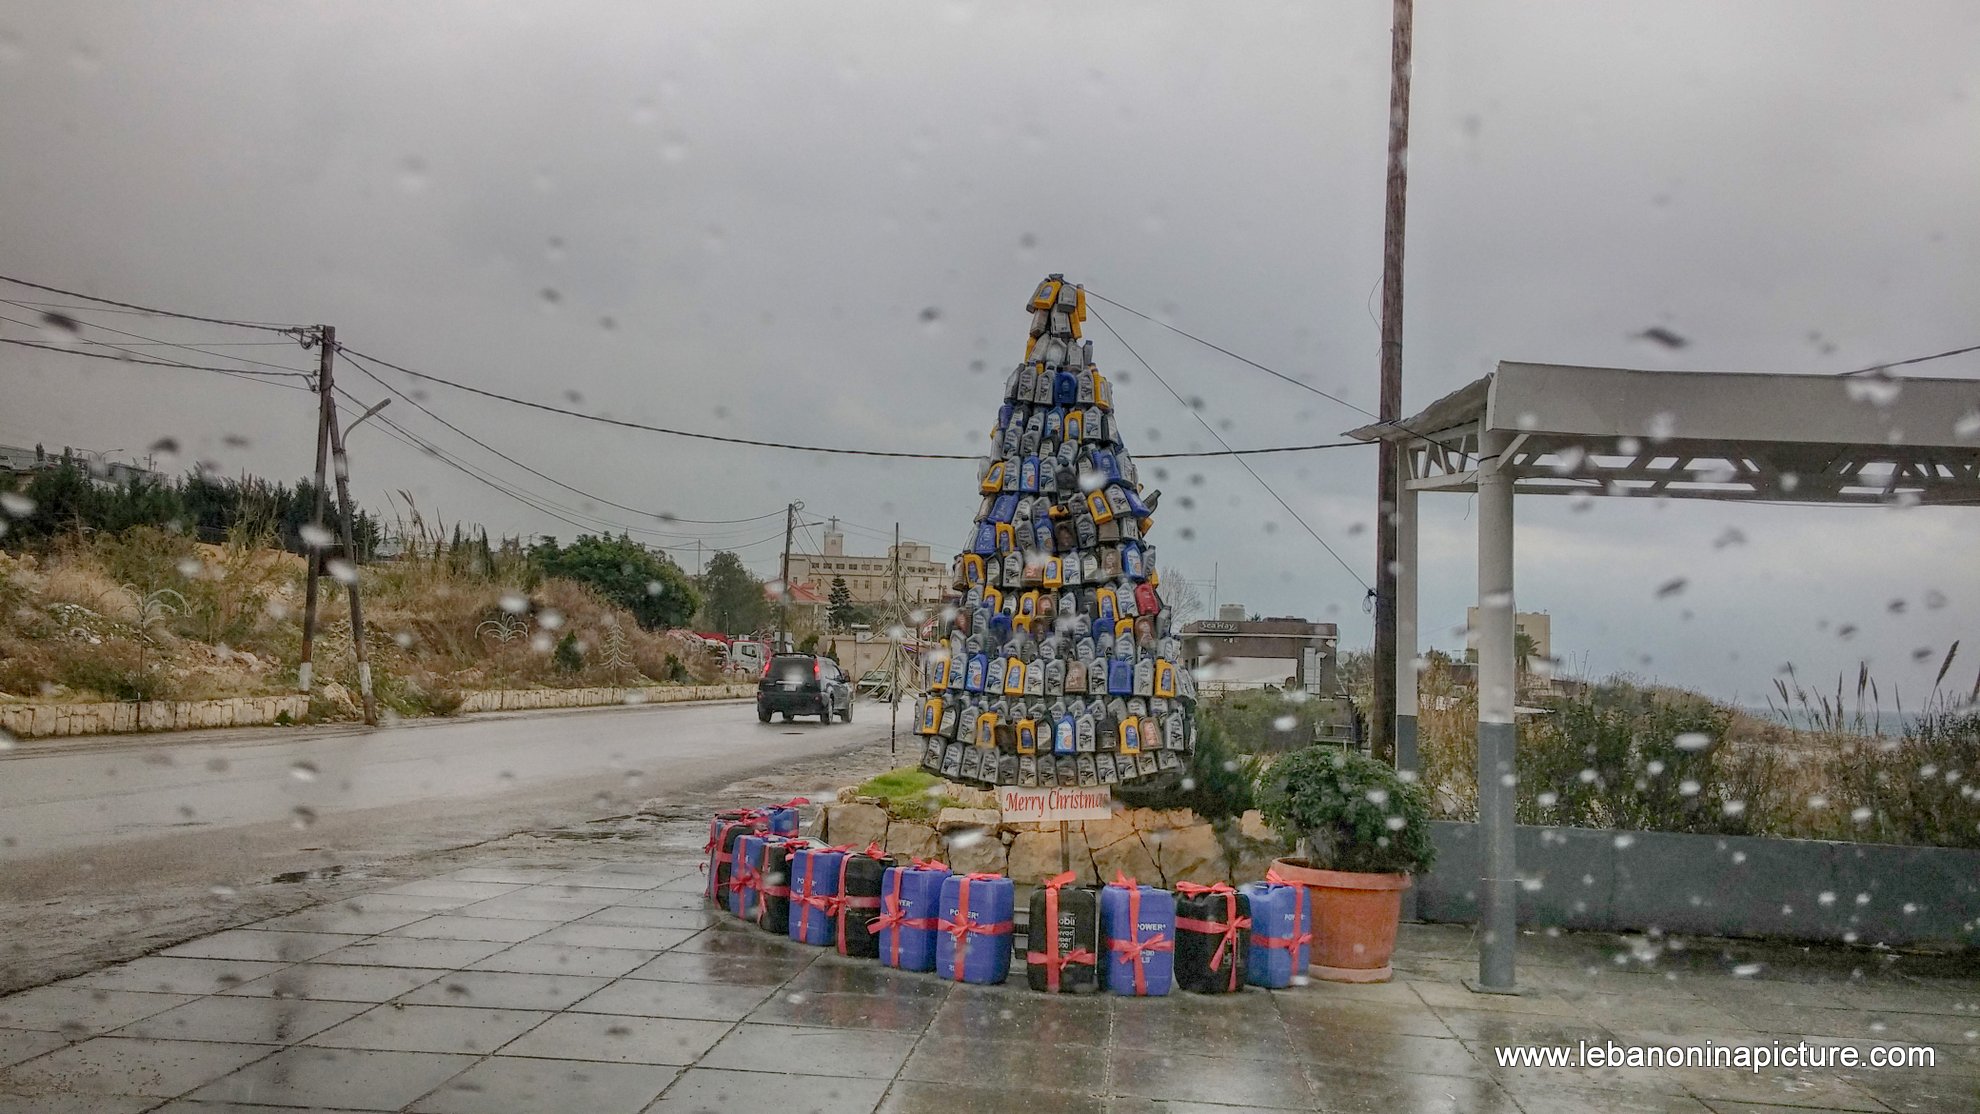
(1914, 789)
(1356, 814)
(1219, 782)
(567, 657)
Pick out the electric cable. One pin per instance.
(1220, 440)
(264, 326)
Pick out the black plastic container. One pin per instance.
(1069, 940)
(859, 886)
(1211, 956)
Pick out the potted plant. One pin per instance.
(1366, 831)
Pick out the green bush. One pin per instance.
(1356, 814)
(567, 657)
(626, 573)
(1914, 789)
(1218, 783)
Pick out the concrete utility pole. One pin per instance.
(1387, 482)
(348, 513)
(326, 339)
(895, 632)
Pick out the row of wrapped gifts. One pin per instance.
(1123, 937)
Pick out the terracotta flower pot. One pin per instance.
(1354, 919)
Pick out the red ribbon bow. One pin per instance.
(1135, 949)
(804, 896)
(793, 802)
(928, 864)
(842, 903)
(1050, 958)
(1227, 929)
(873, 851)
(962, 927)
(894, 917)
(1301, 935)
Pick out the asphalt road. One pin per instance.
(73, 795)
(112, 846)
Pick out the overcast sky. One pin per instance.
(818, 223)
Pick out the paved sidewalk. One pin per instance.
(600, 983)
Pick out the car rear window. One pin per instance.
(791, 667)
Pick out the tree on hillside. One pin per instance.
(732, 597)
(844, 613)
(625, 572)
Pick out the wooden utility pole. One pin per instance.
(348, 514)
(784, 582)
(326, 340)
(896, 630)
(1387, 482)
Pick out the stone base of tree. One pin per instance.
(1158, 847)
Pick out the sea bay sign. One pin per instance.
(1030, 806)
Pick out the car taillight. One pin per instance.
(815, 668)
(766, 668)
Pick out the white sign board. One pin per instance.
(1049, 805)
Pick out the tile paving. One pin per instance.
(607, 985)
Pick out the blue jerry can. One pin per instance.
(745, 885)
(1138, 929)
(973, 938)
(910, 897)
(815, 877)
(1281, 933)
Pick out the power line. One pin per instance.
(1913, 360)
(1300, 383)
(154, 342)
(359, 363)
(758, 443)
(1220, 440)
(265, 326)
(131, 358)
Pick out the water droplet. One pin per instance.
(16, 504)
(1861, 814)
(550, 618)
(1688, 788)
(1878, 388)
(304, 770)
(1623, 840)
(513, 604)
(302, 816)
(1746, 970)
(341, 571)
(315, 535)
(413, 175)
(1672, 587)
(1692, 740)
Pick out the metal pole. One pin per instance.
(1406, 646)
(1498, 890)
(1384, 665)
(349, 515)
(326, 339)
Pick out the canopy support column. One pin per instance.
(1406, 702)
(1498, 890)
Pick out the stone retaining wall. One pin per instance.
(30, 721)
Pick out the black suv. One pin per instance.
(804, 685)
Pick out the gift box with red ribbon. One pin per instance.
(1213, 938)
(1063, 944)
(1282, 931)
(1138, 930)
(815, 876)
(773, 912)
(746, 877)
(859, 901)
(910, 898)
(723, 830)
(973, 933)
(783, 818)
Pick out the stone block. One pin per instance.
(1252, 826)
(975, 851)
(854, 824)
(1188, 854)
(1129, 856)
(917, 841)
(951, 819)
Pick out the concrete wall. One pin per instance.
(28, 721)
(1796, 889)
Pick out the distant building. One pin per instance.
(16, 461)
(1537, 626)
(871, 579)
(1286, 652)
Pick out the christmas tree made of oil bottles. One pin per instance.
(1057, 662)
